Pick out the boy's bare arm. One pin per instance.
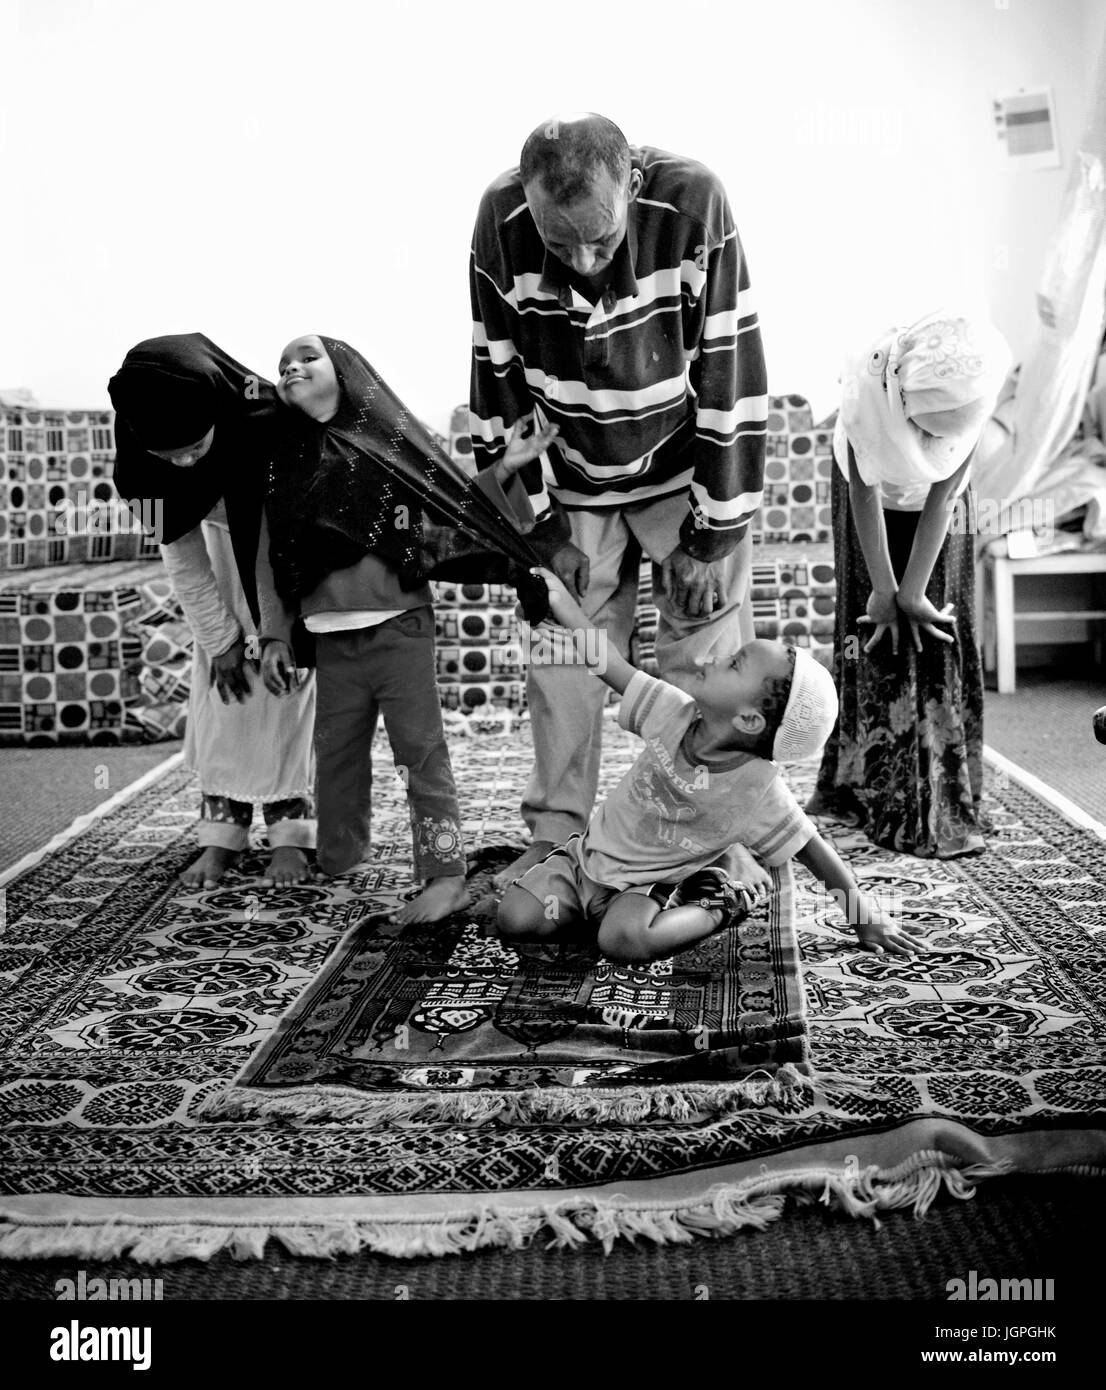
(611, 666)
(875, 928)
(827, 866)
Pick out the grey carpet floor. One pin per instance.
(1045, 727)
(43, 790)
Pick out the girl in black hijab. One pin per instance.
(194, 435)
(363, 507)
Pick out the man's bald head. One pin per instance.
(567, 153)
(579, 183)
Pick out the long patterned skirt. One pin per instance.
(906, 756)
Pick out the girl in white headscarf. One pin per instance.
(906, 756)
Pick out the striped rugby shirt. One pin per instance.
(657, 388)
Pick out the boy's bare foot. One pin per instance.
(287, 866)
(534, 855)
(743, 868)
(207, 871)
(438, 899)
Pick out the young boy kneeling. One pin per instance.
(704, 782)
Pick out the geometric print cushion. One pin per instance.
(57, 504)
(477, 652)
(92, 654)
(794, 596)
(798, 471)
(789, 415)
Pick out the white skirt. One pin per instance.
(261, 749)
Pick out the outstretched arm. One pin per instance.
(608, 664)
(876, 930)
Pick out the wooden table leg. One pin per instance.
(1002, 580)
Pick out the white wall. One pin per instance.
(258, 170)
(1094, 36)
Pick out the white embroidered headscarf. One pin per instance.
(913, 406)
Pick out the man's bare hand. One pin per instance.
(693, 586)
(573, 568)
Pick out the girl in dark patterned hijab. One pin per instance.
(363, 507)
(362, 475)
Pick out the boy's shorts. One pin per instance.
(561, 875)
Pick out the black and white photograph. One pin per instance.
(552, 705)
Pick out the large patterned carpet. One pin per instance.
(131, 1007)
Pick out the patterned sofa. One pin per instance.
(94, 647)
(793, 588)
(96, 654)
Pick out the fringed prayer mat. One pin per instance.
(442, 1022)
(131, 1008)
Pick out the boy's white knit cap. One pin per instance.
(810, 713)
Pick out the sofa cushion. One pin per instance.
(479, 660)
(798, 471)
(794, 596)
(101, 653)
(92, 654)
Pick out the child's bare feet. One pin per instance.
(207, 871)
(438, 899)
(534, 855)
(287, 866)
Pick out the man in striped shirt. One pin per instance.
(611, 300)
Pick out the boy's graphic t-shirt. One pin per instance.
(670, 815)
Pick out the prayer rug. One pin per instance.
(399, 1010)
(132, 1006)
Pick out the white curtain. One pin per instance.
(1022, 453)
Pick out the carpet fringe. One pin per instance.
(752, 1204)
(786, 1088)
